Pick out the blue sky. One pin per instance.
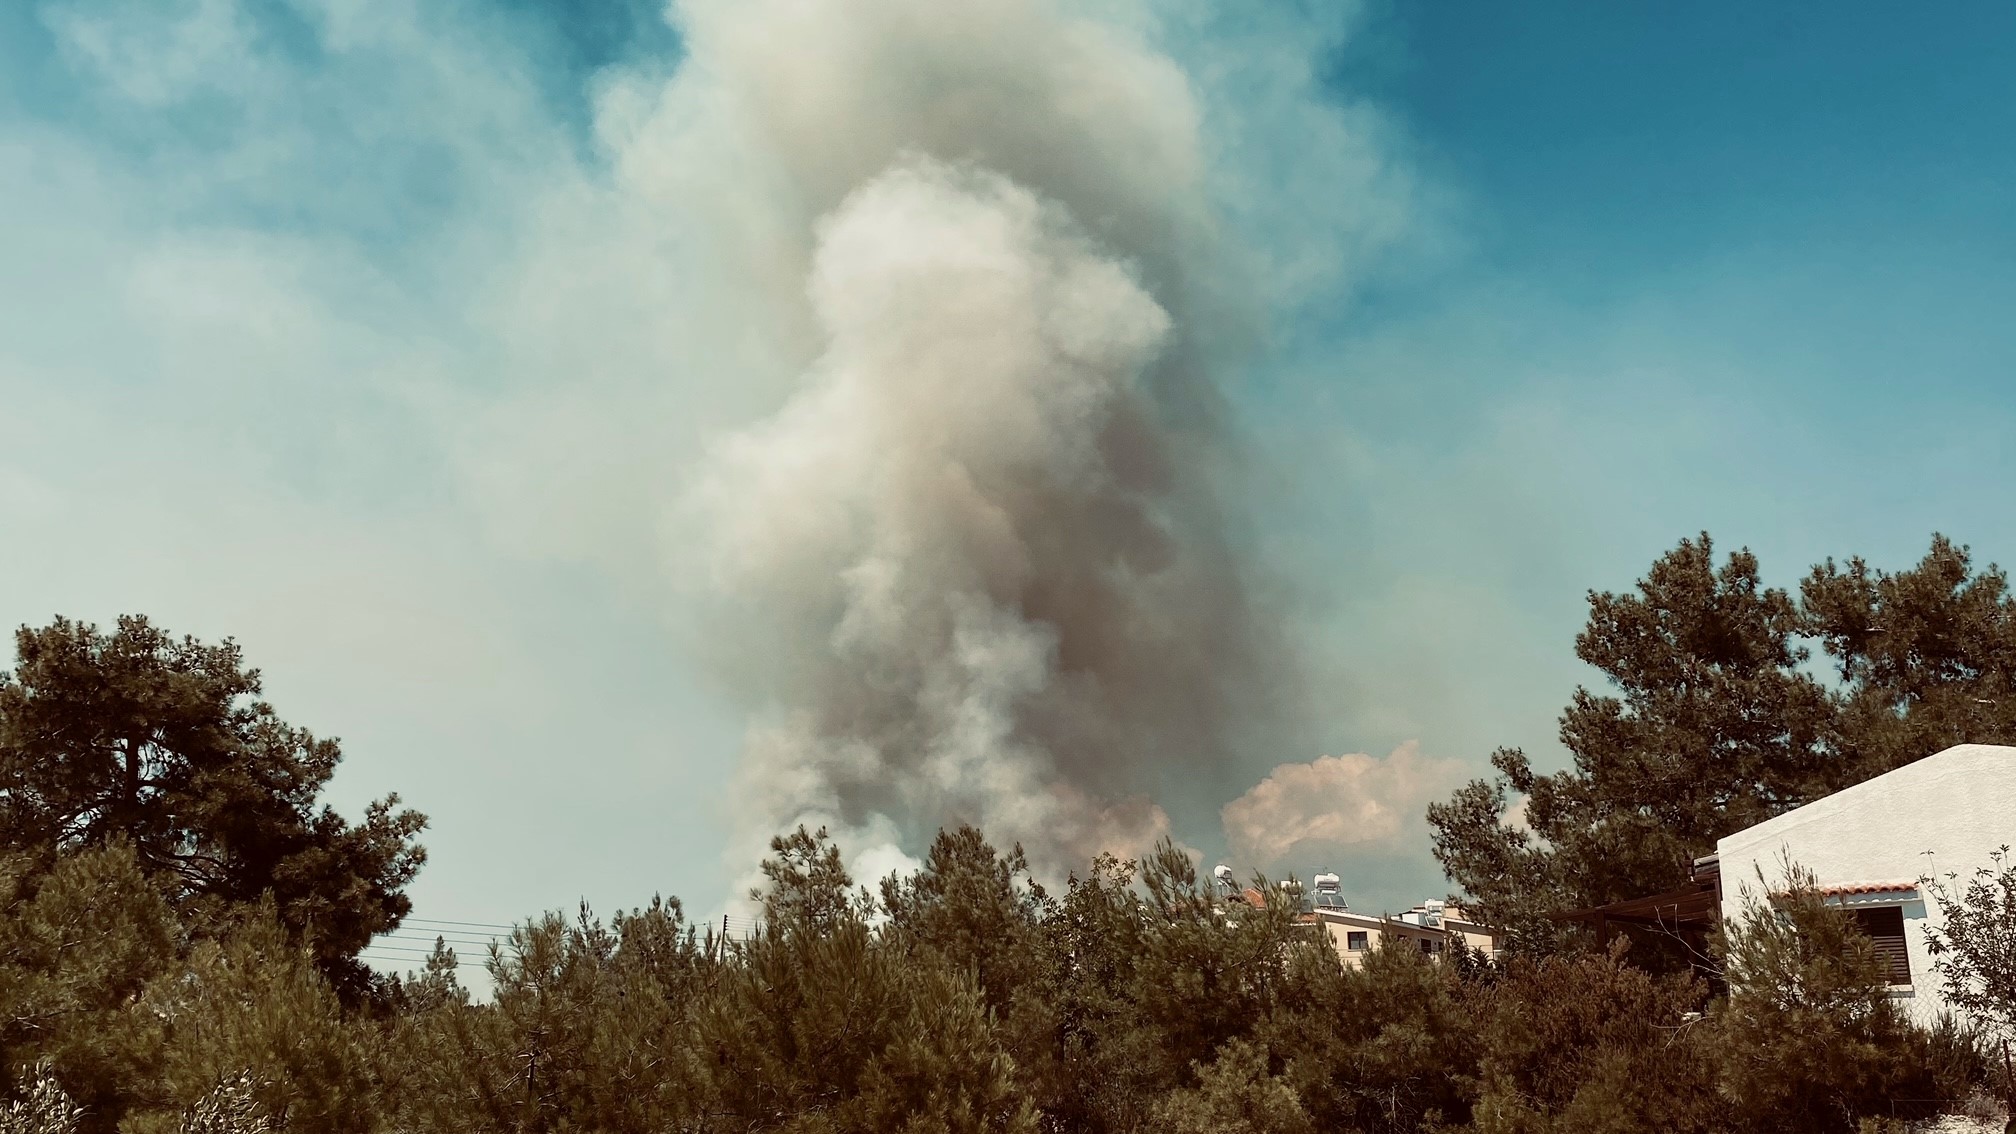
(270, 370)
(1725, 268)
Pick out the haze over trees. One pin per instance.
(182, 921)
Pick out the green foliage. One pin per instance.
(966, 906)
(177, 959)
(1141, 976)
(232, 1107)
(1809, 1033)
(42, 1108)
(1715, 723)
(1957, 1059)
(824, 1025)
(96, 988)
(1386, 1047)
(253, 1008)
(1974, 952)
(587, 1027)
(1590, 1043)
(1139, 1000)
(78, 944)
(1235, 1095)
(1715, 727)
(818, 1023)
(1203, 978)
(1928, 656)
(808, 886)
(1512, 878)
(161, 743)
(1092, 1067)
(831, 1032)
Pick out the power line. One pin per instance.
(735, 921)
(472, 924)
(418, 937)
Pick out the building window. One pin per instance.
(1884, 925)
(1355, 941)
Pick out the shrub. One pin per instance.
(1591, 1043)
(1809, 1038)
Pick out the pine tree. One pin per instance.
(818, 1024)
(1927, 656)
(78, 944)
(1593, 1043)
(1235, 1094)
(163, 743)
(251, 1007)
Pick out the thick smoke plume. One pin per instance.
(970, 524)
(977, 567)
(894, 336)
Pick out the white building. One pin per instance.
(1431, 930)
(1869, 845)
(1430, 927)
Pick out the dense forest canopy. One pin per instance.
(182, 920)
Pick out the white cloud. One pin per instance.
(1342, 804)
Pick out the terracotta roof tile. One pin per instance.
(1851, 888)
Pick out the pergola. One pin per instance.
(1692, 908)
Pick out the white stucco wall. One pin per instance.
(1942, 814)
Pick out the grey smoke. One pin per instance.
(979, 566)
(538, 339)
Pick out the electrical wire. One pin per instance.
(470, 924)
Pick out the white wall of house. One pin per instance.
(1944, 813)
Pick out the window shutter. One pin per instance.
(1884, 925)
